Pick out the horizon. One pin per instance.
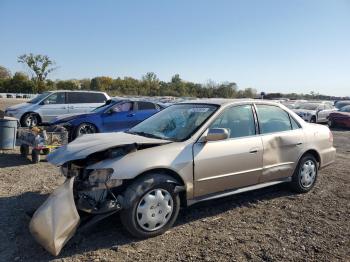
(289, 47)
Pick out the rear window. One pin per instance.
(146, 105)
(84, 97)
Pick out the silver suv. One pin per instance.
(46, 106)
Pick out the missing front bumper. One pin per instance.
(56, 220)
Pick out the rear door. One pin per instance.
(145, 110)
(52, 106)
(119, 117)
(84, 102)
(283, 142)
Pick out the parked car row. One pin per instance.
(334, 114)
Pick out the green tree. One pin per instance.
(101, 83)
(40, 66)
(149, 84)
(67, 85)
(4, 73)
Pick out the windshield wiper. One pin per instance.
(141, 133)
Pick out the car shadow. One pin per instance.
(110, 234)
(13, 160)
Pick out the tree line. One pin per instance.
(40, 66)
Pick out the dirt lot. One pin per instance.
(266, 225)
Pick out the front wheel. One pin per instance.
(29, 120)
(152, 208)
(313, 119)
(305, 175)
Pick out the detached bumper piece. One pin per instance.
(56, 220)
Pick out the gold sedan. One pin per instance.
(189, 152)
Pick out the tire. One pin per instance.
(313, 119)
(137, 216)
(305, 175)
(24, 149)
(35, 156)
(331, 123)
(84, 128)
(30, 119)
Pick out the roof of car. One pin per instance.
(224, 101)
(85, 91)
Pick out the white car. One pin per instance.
(314, 112)
(48, 105)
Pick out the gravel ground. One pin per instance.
(270, 224)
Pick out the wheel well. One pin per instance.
(173, 174)
(27, 113)
(315, 154)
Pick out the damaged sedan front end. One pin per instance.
(87, 195)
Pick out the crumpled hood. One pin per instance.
(86, 145)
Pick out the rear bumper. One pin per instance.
(328, 157)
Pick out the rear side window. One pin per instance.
(146, 106)
(272, 119)
(85, 97)
(238, 120)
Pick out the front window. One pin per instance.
(238, 120)
(38, 98)
(56, 98)
(176, 122)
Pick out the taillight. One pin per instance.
(330, 137)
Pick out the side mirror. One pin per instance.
(216, 134)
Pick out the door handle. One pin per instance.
(298, 144)
(130, 115)
(253, 151)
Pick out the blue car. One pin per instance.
(114, 115)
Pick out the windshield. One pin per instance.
(342, 104)
(308, 106)
(105, 106)
(345, 109)
(39, 97)
(176, 122)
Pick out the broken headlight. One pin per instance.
(98, 176)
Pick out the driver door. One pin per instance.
(231, 163)
(120, 117)
(54, 105)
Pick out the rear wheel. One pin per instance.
(305, 175)
(83, 129)
(152, 206)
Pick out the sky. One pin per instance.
(270, 45)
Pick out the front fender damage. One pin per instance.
(56, 220)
